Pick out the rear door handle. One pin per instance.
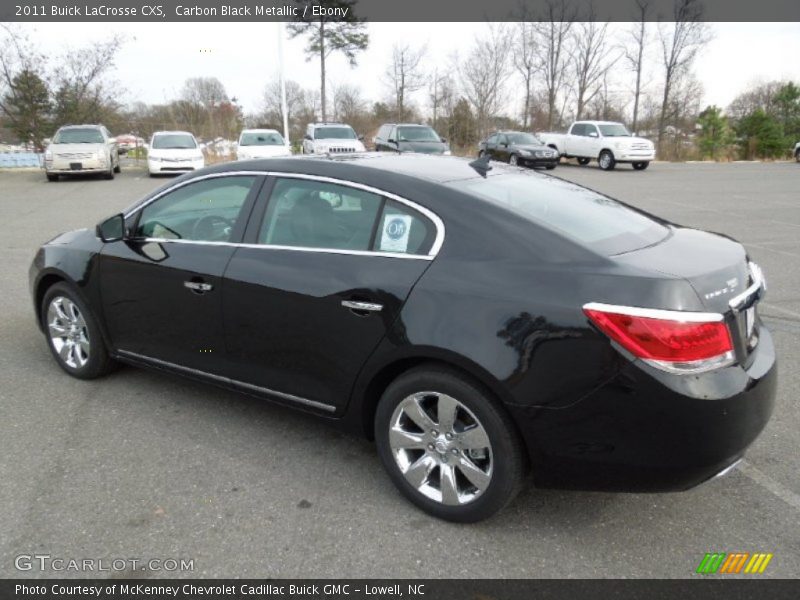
(363, 306)
(198, 286)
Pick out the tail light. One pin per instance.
(674, 341)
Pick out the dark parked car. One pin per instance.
(408, 137)
(518, 148)
(478, 324)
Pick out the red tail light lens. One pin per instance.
(672, 340)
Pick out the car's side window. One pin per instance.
(317, 214)
(578, 129)
(203, 211)
(403, 230)
(590, 129)
(492, 139)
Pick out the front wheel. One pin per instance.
(606, 160)
(583, 161)
(641, 166)
(448, 446)
(797, 156)
(513, 160)
(73, 335)
(118, 168)
(51, 177)
(550, 167)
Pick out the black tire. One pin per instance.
(583, 161)
(51, 177)
(797, 156)
(506, 453)
(606, 160)
(513, 160)
(118, 169)
(550, 167)
(99, 362)
(110, 173)
(481, 154)
(641, 166)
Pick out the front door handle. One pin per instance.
(198, 286)
(362, 306)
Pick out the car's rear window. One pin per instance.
(74, 135)
(591, 219)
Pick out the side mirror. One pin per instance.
(112, 229)
(444, 141)
(361, 138)
(593, 134)
(391, 141)
(307, 137)
(112, 140)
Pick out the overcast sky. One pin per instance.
(158, 57)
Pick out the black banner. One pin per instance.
(384, 10)
(421, 589)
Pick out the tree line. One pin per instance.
(537, 74)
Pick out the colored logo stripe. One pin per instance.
(722, 562)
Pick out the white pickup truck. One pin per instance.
(606, 142)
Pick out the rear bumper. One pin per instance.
(649, 431)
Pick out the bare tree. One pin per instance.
(526, 61)
(484, 73)
(590, 60)
(440, 95)
(404, 75)
(634, 54)
(680, 41)
(273, 106)
(553, 39)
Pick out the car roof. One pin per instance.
(330, 125)
(155, 133)
(89, 125)
(259, 130)
(432, 168)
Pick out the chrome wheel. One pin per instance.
(513, 160)
(68, 332)
(441, 448)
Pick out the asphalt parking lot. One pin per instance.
(150, 466)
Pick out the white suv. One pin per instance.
(77, 149)
(331, 138)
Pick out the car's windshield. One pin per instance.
(584, 216)
(84, 135)
(261, 138)
(417, 133)
(334, 133)
(173, 141)
(614, 130)
(523, 138)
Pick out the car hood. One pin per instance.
(263, 151)
(530, 147)
(630, 141)
(75, 148)
(424, 147)
(186, 153)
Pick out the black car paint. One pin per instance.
(501, 301)
(503, 150)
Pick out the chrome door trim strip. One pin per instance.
(435, 219)
(234, 382)
(294, 248)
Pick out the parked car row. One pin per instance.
(91, 148)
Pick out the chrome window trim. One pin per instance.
(228, 380)
(432, 216)
(654, 313)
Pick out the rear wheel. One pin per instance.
(513, 160)
(118, 168)
(583, 161)
(110, 173)
(73, 334)
(448, 446)
(606, 160)
(550, 167)
(641, 166)
(797, 155)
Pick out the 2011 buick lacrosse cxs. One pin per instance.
(479, 322)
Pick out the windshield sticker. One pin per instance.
(395, 233)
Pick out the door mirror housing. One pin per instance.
(392, 141)
(593, 134)
(361, 138)
(307, 137)
(441, 139)
(112, 229)
(112, 140)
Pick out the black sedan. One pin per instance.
(518, 148)
(479, 324)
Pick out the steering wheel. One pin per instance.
(207, 229)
